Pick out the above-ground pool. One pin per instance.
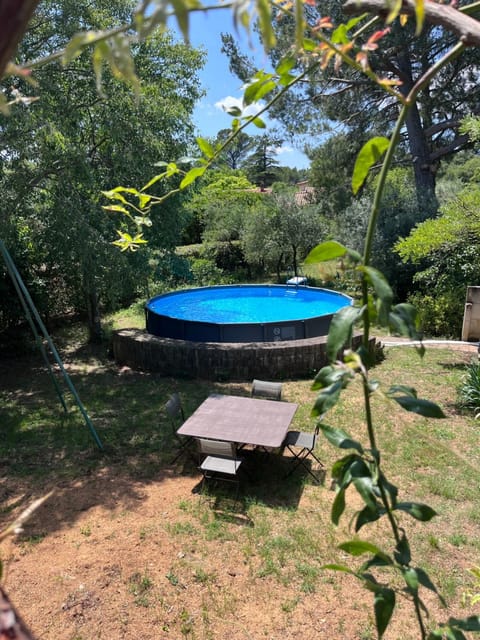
(244, 313)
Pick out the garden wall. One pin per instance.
(221, 361)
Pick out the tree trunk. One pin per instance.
(423, 168)
(14, 18)
(95, 333)
(279, 266)
(12, 627)
(294, 260)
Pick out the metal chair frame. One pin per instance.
(175, 411)
(307, 441)
(220, 462)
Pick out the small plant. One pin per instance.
(86, 530)
(187, 623)
(290, 605)
(475, 597)
(469, 391)
(202, 576)
(139, 586)
(172, 578)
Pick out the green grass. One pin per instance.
(280, 529)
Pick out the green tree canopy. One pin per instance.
(61, 151)
(361, 108)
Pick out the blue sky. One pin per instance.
(221, 86)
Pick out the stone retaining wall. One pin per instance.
(220, 361)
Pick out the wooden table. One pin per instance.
(262, 423)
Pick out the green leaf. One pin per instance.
(472, 623)
(383, 291)
(191, 176)
(411, 578)
(403, 319)
(384, 606)
(299, 23)
(376, 561)
(359, 547)
(419, 15)
(389, 488)
(338, 567)
(424, 580)
(417, 510)
(364, 486)
(78, 43)
(424, 408)
(341, 469)
(367, 515)
(341, 330)
(369, 154)
(183, 18)
(340, 438)
(265, 22)
(329, 375)
(234, 111)
(326, 251)
(326, 399)
(309, 45)
(117, 208)
(257, 90)
(285, 65)
(338, 506)
(339, 36)
(206, 148)
(259, 123)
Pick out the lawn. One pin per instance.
(127, 547)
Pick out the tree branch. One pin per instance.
(12, 626)
(466, 28)
(14, 17)
(460, 141)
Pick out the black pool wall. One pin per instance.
(164, 326)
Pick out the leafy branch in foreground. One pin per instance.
(361, 467)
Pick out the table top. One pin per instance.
(263, 423)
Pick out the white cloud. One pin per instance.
(285, 149)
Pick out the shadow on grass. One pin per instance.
(43, 448)
(263, 481)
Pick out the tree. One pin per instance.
(262, 162)
(331, 171)
(281, 234)
(446, 253)
(222, 205)
(361, 107)
(62, 150)
(235, 155)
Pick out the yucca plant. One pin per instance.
(469, 390)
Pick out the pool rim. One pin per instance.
(167, 326)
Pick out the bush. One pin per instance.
(469, 390)
(205, 272)
(440, 314)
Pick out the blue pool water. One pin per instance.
(248, 304)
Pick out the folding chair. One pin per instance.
(305, 441)
(175, 412)
(220, 462)
(265, 389)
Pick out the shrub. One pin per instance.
(440, 314)
(469, 390)
(205, 272)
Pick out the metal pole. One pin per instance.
(19, 285)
